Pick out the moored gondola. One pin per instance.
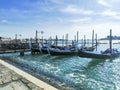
(62, 52)
(108, 53)
(104, 55)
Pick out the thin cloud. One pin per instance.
(109, 13)
(60, 19)
(117, 17)
(81, 20)
(103, 3)
(75, 10)
(60, 14)
(57, 1)
(4, 21)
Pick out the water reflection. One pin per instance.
(95, 62)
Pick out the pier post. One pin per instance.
(96, 42)
(92, 38)
(110, 41)
(36, 36)
(22, 53)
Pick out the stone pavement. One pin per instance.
(10, 80)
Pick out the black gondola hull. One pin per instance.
(45, 51)
(52, 52)
(92, 55)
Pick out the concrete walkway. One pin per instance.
(12, 78)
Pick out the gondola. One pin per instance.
(45, 48)
(89, 48)
(101, 55)
(108, 53)
(66, 50)
(62, 52)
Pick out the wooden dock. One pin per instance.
(14, 51)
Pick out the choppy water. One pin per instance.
(76, 72)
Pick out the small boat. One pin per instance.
(63, 51)
(45, 48)
(59, 47)
(88, 48)
(102, 55)
(35, 48)
(108, 53)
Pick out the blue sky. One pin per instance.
(58, 17)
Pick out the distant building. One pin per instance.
(5, 39)
(113, 38)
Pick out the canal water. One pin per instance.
(73, 71)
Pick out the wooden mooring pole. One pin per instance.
(22, 53)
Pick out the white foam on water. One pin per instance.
(29, 77)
